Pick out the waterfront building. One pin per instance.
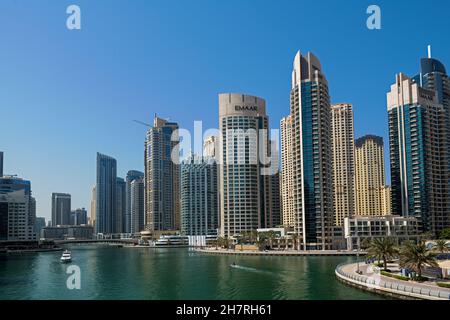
(244, 181)
(359, 228)
(137, 204)
(93, 206)
(1, 164)
(67, 233)
(343, 162)
(14, 216)
(61, 206)
(418, 154)
(370, 176)
(78, 217)
(162, 177)
(120, 204)
(106, 195)
(386, 200)
(312, 154)
(199, 197)
(39, 225)
(128, 221)
(287, 173)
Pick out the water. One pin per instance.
(132, 273)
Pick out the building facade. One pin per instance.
(106, 195)
(244, 182)
(162, 177)
(78, 217)
(1, 164)
(370, 176)
(343, 162)
(121, 206)
(131, 176)
(61, 209)
(199, 197)
(93, 206)
(287, 173)
(418, 154)
(14, 216)
(137, 203)
(359, 228)
(312, 154)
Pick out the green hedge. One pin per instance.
(395, 276)
(444, 284)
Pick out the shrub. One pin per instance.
(443, 284)
(395, 276)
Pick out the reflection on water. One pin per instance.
(145, 273)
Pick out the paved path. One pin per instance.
(377, 281)
(281, 253)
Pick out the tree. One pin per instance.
(445, 234)
(382, 249)
(441, 246)
(365, 244)
(416, 256)
(427, 236)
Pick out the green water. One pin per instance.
(131, 273)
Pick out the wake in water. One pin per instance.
(236, 266)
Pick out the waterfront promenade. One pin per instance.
(278, 253)
(370, 279)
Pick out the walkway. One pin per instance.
(280, 253)
(370, 279)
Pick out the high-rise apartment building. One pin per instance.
(386, 200)
(343, 162)
(78, 217)
(418, 154)
(311, 154)
(137, 203)
(162, 176)
(199, 197)
(16, 218)
(131, 176)
(121, 207)
(106, 195)
(287, 173)
(93, 206)
(61, 209)
(1, 164)
(244, 180)
(370, 178)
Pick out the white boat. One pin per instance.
(66, 256)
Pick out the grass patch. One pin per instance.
(395, 276)
(443, 284)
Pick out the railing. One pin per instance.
(398, 288)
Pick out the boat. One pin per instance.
(66, 256)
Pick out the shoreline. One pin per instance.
(389, 287)
(281, 253)
(12, 252)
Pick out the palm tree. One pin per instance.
(382, 249)
(417, 256)
(295, 239)
(441, 246)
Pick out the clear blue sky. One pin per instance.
(64, 95)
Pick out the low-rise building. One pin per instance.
(358, 228)
(67, 232)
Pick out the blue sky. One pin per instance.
(67, 94)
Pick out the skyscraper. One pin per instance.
(137, 205)
(162, 176)
(312, 154)
(287, 173)
(343, 162)
(243, 178)
(93, 206)
(120, 204)
(61, 208)
(16, 219)
(78, 217)
(131, 176)
(199, 197)
(1, 164)
(370, 176)
(418, 153)
(106, 195)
